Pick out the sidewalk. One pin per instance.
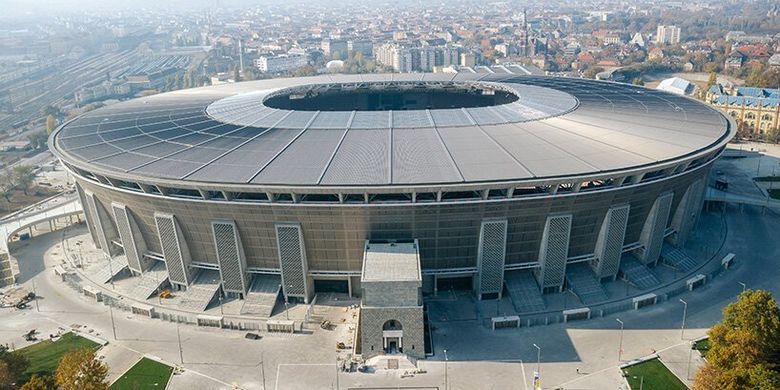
(676, 360)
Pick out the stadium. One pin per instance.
(392, 186)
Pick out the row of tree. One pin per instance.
(18, 178)
(77, 370)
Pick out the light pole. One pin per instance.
(111, 313)
(538, 360)
(286, 308)
(337, 372)
(38, 309)
(111, 271)
(178, 337)
(446, 380)
(620, 348)
(685, 313)
(262, 368)
(690, 352)
(744, 286)
(219, 296)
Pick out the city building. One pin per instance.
(389, 186)
(335, 48)
(281, 63)
(468, 59)
(677, 86)
(364, 47)
(757, 108)
(668, 35)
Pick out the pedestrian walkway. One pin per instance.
(678, 259)
(201, 292)
(113, 267)
(585, 284)
(262, 295)
(149, 282)
(637, 273)
(524, 291)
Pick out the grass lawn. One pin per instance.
(45, 355)
(656, 376)
(702, 346)
(146, 374)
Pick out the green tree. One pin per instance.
(712, 80)
(745, 347)
(36, 382)
(12, 367)
(637, 81)
(24, 175)
(52, 111)
(37, 139)
(754, 79)
(51, 124)
(591, 72)
(79, 370)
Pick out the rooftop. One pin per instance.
(391, 262)
(390, 130)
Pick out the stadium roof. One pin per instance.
(228, 134)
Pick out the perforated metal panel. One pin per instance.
(491, 257)
(292, 260)
(652, 237)
(609, 245)
(174, 248)
(129, 239)
(553, 251)
(230, 255)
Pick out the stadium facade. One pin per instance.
(482, 174)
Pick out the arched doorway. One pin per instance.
(393, 336)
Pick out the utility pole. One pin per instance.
(620, 348)
(685, 313)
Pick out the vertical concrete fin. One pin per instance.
(609, 245)
(174, 248)
(230, 256)
(554, 251)
(491, 255)
(652, 236)
(292, 260)
(132, 240)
